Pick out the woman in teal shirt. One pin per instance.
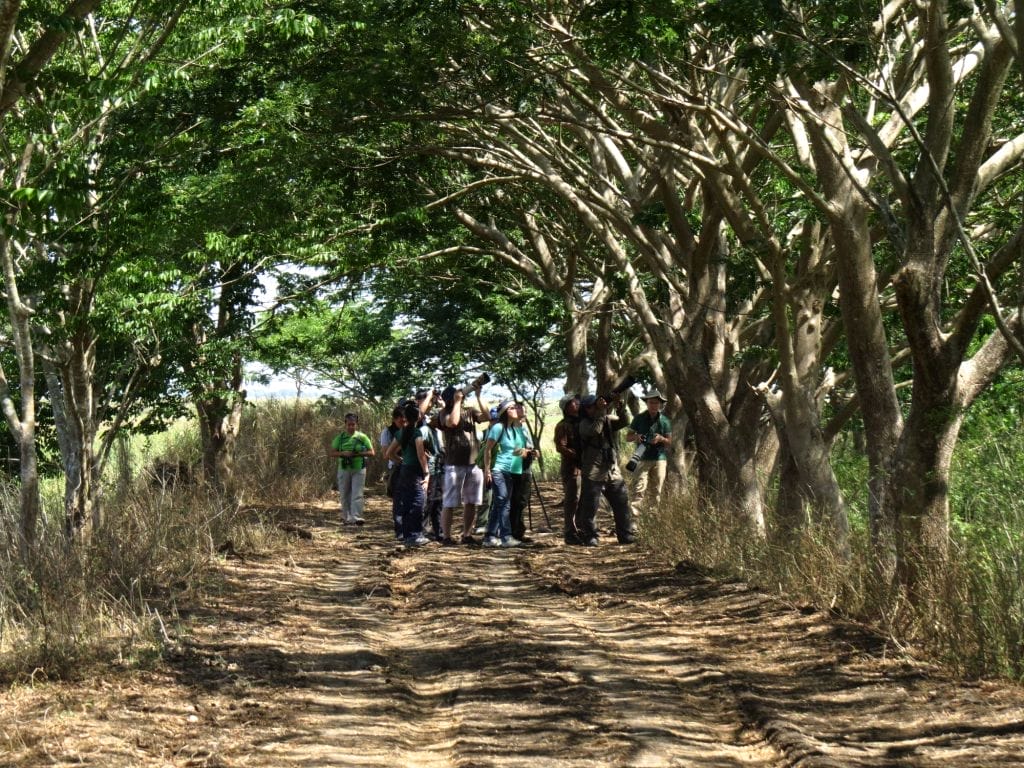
(507, 444)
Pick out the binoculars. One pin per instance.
(627, 382)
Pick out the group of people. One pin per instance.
(591, 469)
(439, 465)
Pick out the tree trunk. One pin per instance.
(220, 417)
(69, 368)
(918, 492)
(23, 424)
(726, 456)
(576, 379)
(849, 216)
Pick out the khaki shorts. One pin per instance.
(463, 485)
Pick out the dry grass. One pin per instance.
(967, 613)
(110, 599)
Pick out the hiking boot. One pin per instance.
(572, 538)
(468, 540)
(627, 540)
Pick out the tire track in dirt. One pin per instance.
(824, 693)
(590, 657)
(589, 684)
(349, 651)
(458, 657)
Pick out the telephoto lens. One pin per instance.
(479, 381)
(623, 385)
(638, 454)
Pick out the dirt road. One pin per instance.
(349, 651)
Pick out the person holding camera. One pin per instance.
(652, 433)
(352, 448)
(463, 479)
(568, 448)
(508, 451)
(599, 468)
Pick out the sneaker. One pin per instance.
(480, 531)
(492, 541)
(627, 540)
(591, 542)
(416, 541)
(357, 521)
(510, 541)
(525, 540)
(572, 538)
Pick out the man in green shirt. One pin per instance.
(653, 431)
(352, 448)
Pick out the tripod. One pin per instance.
(540, 498)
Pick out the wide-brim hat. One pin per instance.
(654, 394)
(504, 405)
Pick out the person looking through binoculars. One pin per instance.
(409, 448)
(567, 445)
(651, 431)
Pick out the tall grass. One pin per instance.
(969, 611)
(114, 598)
(282, 450)
(74, 604)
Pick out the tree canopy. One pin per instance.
(784, 214)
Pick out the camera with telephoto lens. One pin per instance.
(627, 382)
(469, 386)
(638, 455)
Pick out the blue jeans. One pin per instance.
(499, 523)
(409, 499)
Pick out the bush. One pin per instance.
(282, 449)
